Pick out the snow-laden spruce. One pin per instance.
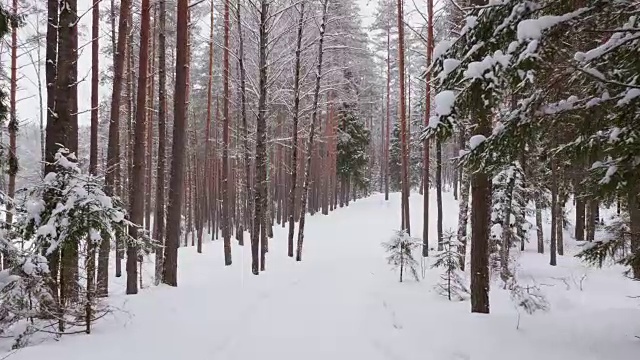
(400, 249)
(452, 283)
(63, 219)
(560, 96)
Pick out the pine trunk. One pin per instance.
(463, 217)
(314, 119)
(294, 132)
(439, 191)
(425, 144)
(93, 156)
(245, 126)
(539, 231)
(13, 124)
(554, 213)
(260, 203)
(176, 183)
(634, 229)
(159, 219)
(406, 221)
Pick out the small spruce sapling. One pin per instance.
(452, 284)
(400, 250)
(528, 298)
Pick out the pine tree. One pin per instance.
(353, 140)
(449, 258)
(400, 249)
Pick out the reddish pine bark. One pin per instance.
(159, 219)
(406, 223)
(226, 220)
(136, 182)
(93, 155)
(176, 189)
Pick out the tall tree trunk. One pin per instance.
(406, 221)
(294, 134)
(463, 216)
(634, 228)
(66, 108)
(554, 212)
(176, 183)
(159, 219)
(539, 232)
(150, 112)
(480, 211)
(54, 127)
(260, 203)
(207, 152)
(226, 200)
(13, 121)
(245, 127)
(136, 183)
(579, 198)
(314, 119)
(388, 122)
(425, 144)
(439, 191)
(113, 149)
(93, 154)
(560, 219)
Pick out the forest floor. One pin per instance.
(344, 302)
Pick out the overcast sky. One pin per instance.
(28, 102)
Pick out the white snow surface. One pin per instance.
(444, 102)
(442, 47)
(531, 29)
(343, 302)
(476, 140)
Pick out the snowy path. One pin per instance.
(343, 302)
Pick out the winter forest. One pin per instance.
(345, 179)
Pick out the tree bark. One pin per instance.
(159, 219)
(388, 122)
(463, 217)
(406, 221)
(245, 127)
(554, 213)
(260, 203)
(634, 229)
(480, 211)
(54, 128)
(439, 191)
(136, 183)
(425, 144)
(539, 231)
(66, 109)
(13, 123)
(93, 155)
(176, 183)
(314, 119)
(294, 132)
(113, 148)
(226, 200)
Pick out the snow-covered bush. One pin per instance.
(508, 217)
(60, 225)
(617, 246)
(452, 284)
(528, 298)
(400, 250)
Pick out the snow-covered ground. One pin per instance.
(344, 302)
